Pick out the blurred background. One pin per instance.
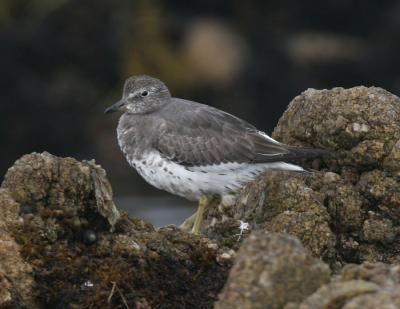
(64, 61)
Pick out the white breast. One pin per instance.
(192, 182)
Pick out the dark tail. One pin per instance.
(303, 153)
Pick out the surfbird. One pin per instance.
(194, 150)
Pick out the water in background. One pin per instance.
(159, 211)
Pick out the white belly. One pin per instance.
(192, 182)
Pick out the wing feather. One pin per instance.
(202, 135)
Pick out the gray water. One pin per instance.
(159, 211)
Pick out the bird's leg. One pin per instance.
(193, 223)
(187, 225)
(203, 203)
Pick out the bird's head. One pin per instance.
(142, 94)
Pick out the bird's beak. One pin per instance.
(115, 107)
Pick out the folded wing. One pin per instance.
(207, 136)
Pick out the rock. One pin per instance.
(336, 294)
(76, 250)
(278, 202)
(347, 212)
(384, 275)
(382, 190)
(46, 181)
(383, 299)
(378, 230)
(330, 177)
(359, 286)
(392, 161)
(271, 270)
(359, 125)
(16, 281)
(312, 230)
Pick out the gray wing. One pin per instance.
(202, 135)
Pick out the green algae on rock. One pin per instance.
(126, 260)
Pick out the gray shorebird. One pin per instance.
(194, 150)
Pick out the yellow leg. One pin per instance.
(203, 203)
(187, 225)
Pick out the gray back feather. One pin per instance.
(191, 134)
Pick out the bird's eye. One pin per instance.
(144, 93)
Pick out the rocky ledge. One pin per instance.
(324, 239)
(64, 244)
